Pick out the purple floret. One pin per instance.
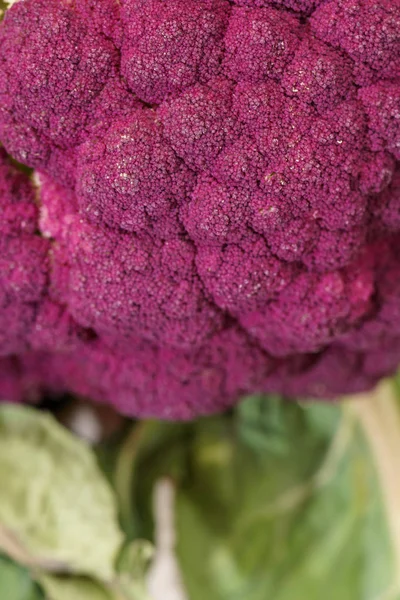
(199, 122)
(157, 382)
(382, 105)
(270, 118)
(63, 64)
(23, 268)
(216, 210)
(215, 214)
(169, 46)
(311, 312)
(243, 277)
(301, 6)
(126, 287)
(367, 30)
(389, 205)
(130, 178)
(23, 259)
(259, 43)
(17, 200)
(319, 75)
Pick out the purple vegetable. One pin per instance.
(218, 207)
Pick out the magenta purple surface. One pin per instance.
(216, 209)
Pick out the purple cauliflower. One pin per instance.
(215, 206)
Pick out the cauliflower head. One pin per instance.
(215, 208)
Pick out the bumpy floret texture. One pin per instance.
(215, 208)
(23, 260)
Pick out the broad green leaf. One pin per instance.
(305, 516)
(262, 424)
(73, 588)
(57, 510)
(134, 461)
(128, 584)
(125, 475)
(4, 5)
(135, 560)
(16, 583)
(132, 569)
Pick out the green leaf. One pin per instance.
(73, 588)
(16, 583)
(132, 570)
(57, 510)
(305, 516)
(135, 560)
(3, 7)
(128, 584)
(261, 424)
(134, 461)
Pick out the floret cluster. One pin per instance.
(215, 209)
